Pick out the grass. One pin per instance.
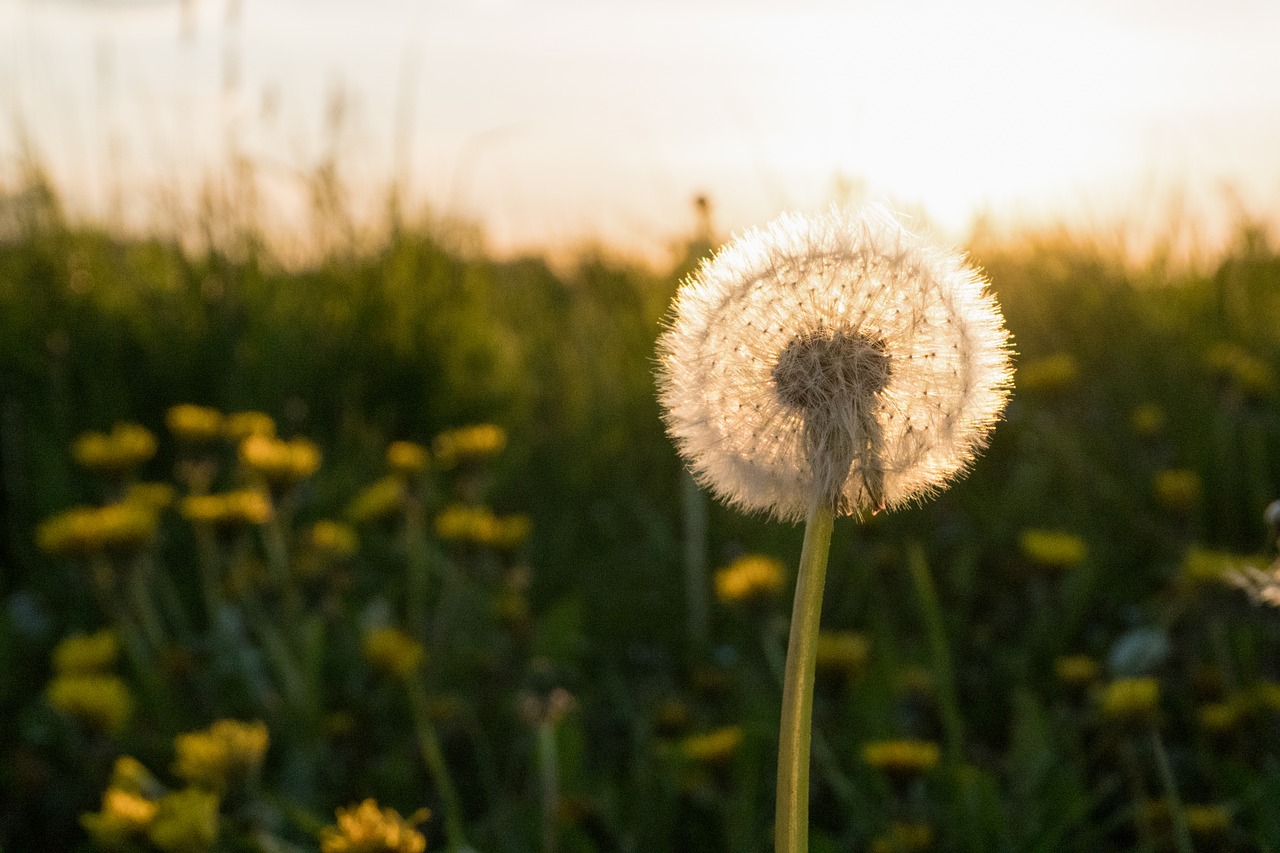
(1125, 371)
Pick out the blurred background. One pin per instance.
(331, 470)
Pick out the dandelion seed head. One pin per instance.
(838, 358)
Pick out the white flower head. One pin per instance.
(837, 358)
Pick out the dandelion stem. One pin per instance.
(433, 756)
(1181, 834)
(791, 829)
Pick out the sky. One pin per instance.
(559, 122)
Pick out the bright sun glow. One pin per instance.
(587, 120)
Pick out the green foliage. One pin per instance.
(1124, 372)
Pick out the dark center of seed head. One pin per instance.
(829, 368)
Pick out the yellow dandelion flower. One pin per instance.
(119, 529)
(752, 576)
(381, 501)
(1207, 820)
(115, 453)
(1147, 420)
(901, 758)
(240, 425)
(712, 747)
(392, 651)
(1052, 549)
(1177, 489)
(86, 654)
(1235, 367)
(837, 358)
(1076, 670)
(100, 702)
(904, 837)
(842, 651)
(468, 445)
(1265, 696)
(333, 540)
(1218, 718)
(1053, 373)
(1202, 567)
(280, 463)
(366, 828)
(194, 425)
(221, 756)
(185, 821)
(1131, 700)
(124, 816)
(244, 507)
(406, 458)
(131, 775)
(152, 496)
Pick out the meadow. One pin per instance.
(399, 523)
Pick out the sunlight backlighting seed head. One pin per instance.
(836, 358)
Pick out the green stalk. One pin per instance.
(939, 650)
(791, 829)
(433, 756)
(549, 765)
(1181, 834)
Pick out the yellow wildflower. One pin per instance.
(1232, 365)
(100, 702)
(478, 525)
(749, 577)
(1201, 566)
(842, 651)
(468, 445)
(406, 458)
(1265, 696)
(113, 529)
(903, 758)
(152, 496)
(115, 453)
(712, 747)
(129, 774)
(1052, 549)
(86, 654)
(280, 463)
(240, 425)
(221, 756)
(392, 651)
(381, 501)
(333, 540)
(1207, 821)
(1147, 420)
(1053, 373)
(229, 509)
(1076, 670)
(185, 822)
(1131, 700)
(1218, 718)
(904, 837)
(125, 816)
(366, 828)
(1177, 489)
(192, 424)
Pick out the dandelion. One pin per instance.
(392, 651)
(228, 510)
(1208, 821)
(1052, 549)
(152, 496)
(712, 747)
(904, 837)
(901, 759)
(115, 453)
(1133, 701)
(124, 816)
(1076, 670)
(842, 652)
(1147, 420)
(222, 756)
(185, 821)
(333, 541)
(240, 425)
(280, 463)
(86, 654)
(101, 702)
(1176, 489)
(750, 577)
(380, 501)
(468, 445)
(406, 458)
(366, 828)
(836, 365)
(194, 425)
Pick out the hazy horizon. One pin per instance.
(570, 122)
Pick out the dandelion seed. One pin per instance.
(840, 358)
